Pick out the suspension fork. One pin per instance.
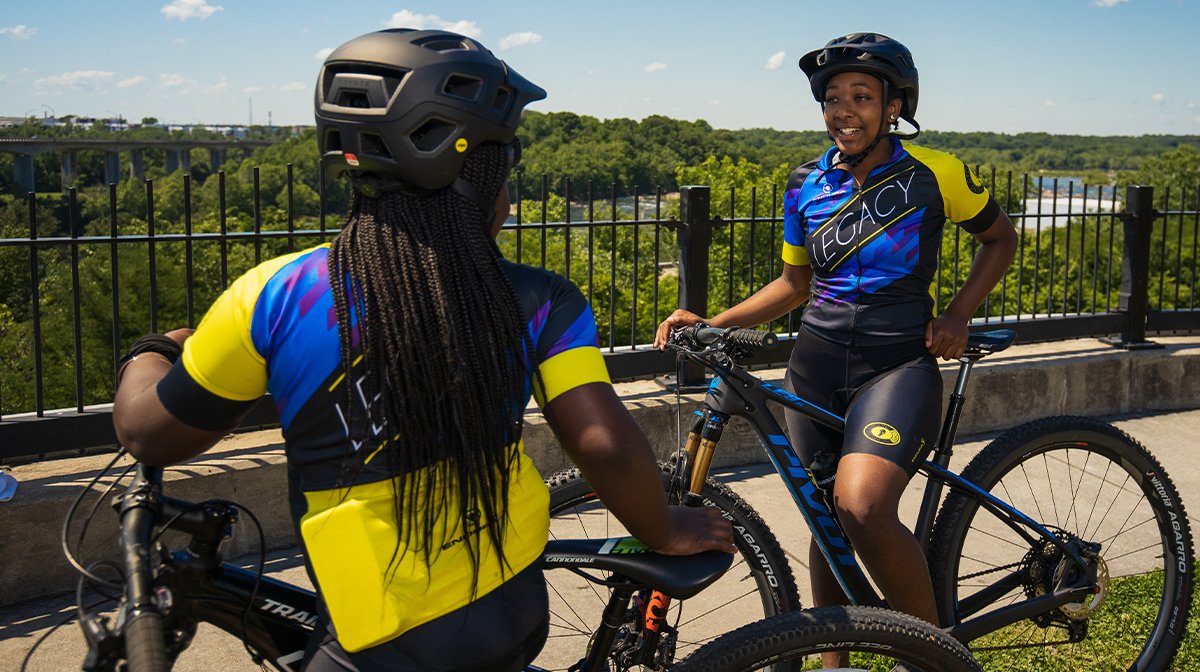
(701, 443)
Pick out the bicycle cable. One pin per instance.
(66, 546)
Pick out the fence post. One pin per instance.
(1134, 300)
(695, 237)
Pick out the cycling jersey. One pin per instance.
(873, 248)
(275, 329)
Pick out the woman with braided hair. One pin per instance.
(862, 233)
(401, 358)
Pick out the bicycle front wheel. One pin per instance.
(876, 639)
(760, 582)
(1100, 491)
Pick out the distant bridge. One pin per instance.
(178, 155)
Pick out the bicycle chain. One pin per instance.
(993, 570)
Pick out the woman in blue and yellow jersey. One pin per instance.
(862, 230)
(401, 357)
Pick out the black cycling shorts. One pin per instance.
(502, 631)
(890, 395)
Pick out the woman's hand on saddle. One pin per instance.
(679, 318)
(946, 336)
(695, 529)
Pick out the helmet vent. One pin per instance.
(372, 145)
(431, 134)
(357, 85)
(504, 96)
(461, 86)
(333, 141)
(441, 43)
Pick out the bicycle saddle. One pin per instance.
(677, 576)
(987, 342)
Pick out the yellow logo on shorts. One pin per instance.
(882, 433)
(461, 145)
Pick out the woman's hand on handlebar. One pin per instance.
(696, 529)
(679, 318)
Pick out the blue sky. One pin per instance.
(1106, 67)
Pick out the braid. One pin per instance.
(420, 292)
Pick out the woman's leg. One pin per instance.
(867, 497)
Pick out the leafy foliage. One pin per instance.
(575, 221)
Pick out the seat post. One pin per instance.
(942, 450)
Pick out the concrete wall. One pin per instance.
(1081, 377)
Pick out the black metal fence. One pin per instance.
(89, 277)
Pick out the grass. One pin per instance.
(1115, 635)
(1114, 638)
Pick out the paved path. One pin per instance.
(1172, 437)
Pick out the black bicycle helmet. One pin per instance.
(410, 104)
(873, 53)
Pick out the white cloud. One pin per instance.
(714, 102)
(655, 67)
(776, 60)
(19, 32)
(182, 10)
(79, 79)
(130, 81)
(252, 89)
(220, 87)
(180, 41)
(1196, 120)
(1107, 3)
(172, 81)
(323, 54)
(294, 86)
(408, 19)
(1050, 103)
(1158, 98)
(1191, 105)
(520, 39)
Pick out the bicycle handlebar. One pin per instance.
(140, 506)
(701, 335)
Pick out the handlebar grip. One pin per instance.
(754, 339)
(145, 646)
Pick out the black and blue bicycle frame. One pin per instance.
(735, 392)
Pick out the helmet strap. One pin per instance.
(469, 192)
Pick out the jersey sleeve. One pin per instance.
(794, 231)
(221, 373)
(566, 344)
(967, 202)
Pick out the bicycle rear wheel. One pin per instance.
(877, 639)
(1087, 482)
(759, 584)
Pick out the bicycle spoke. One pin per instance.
(1078, 484)
(1106, 542)
(1113, 503)
(1096, 501)
(1023, 547)
(1032, 496)
(578, 619)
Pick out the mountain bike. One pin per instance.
(1062, 546)
(163, 594)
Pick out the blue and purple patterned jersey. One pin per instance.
(873, 248)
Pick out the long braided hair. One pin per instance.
(419, 291)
